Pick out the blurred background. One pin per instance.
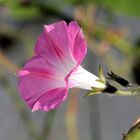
(112, 30)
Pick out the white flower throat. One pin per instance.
(83, 79)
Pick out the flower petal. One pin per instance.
(35, 85)
(79, 46)
(46, 50)
(39, 63)
(58, 36)
(51, 100)
(54, 44)
(37, 78)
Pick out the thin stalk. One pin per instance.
(130, 92)
(71, 116)
(47, 125)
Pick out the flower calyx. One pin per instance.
(102, 80)
(127, 89)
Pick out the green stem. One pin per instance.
(134, 132)
(129, 92)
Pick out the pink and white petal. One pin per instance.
(39, 63)
(44, 48)
(79, 48)
(73, 29)
(58, 36)
(34, 85)
(51, 99)
(79, 45)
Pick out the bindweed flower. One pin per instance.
(45, 79)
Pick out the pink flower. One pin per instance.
(45, 79)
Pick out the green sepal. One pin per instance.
(118, 79)
(101, 75)
(100, 81)
(94, 91)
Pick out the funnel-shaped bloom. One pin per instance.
(55, 67)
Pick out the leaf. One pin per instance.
(22, 11)
(78, 2)
(127, 7)
(134, 132)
